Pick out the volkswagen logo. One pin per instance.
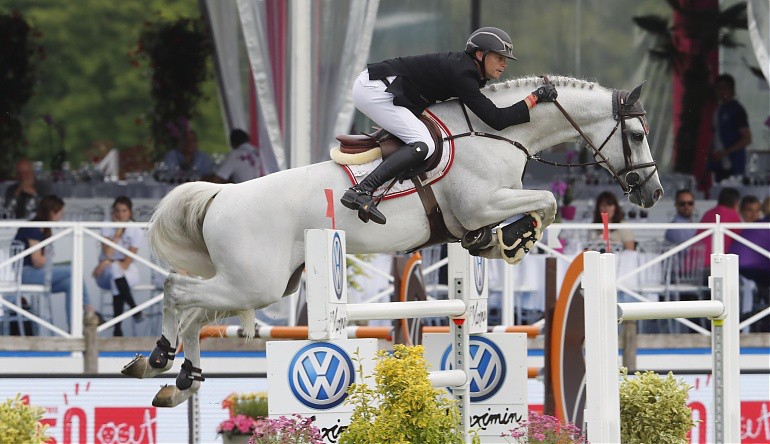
(338, 260)
(487, 367)
(478, 273)
(320, 374)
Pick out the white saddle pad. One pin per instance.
(356, 173)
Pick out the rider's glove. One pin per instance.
(546, 93)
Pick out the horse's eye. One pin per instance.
(637, 137)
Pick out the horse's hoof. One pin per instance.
(477, 239)
(140, 368)
(170, 396)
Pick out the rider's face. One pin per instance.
(494, 65)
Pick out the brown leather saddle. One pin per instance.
(388, 143)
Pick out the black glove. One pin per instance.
(546, 93)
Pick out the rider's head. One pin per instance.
(484, 41)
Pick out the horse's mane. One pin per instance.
(535, 81)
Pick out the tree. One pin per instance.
(687, 45)
(18, 57)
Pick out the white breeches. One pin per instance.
(371, 99)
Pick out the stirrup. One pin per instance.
(476, 239)
(366, 204)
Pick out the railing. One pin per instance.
(80, 231)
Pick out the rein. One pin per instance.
(632, 178)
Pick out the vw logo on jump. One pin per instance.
(487, 367)
(478, 273)
(320, 374)
(338, 262)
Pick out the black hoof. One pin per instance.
(477, 239)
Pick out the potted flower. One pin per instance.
(544, 429)
(564, 192)
(20, 422)
(295, 430)
(247, 410)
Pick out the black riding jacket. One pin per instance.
(426, 79)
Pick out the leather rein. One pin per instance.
(621, 111)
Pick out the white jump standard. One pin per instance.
(329, 311)
(603, 313)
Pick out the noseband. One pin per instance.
(621, 110)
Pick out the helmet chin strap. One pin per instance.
(482, 65)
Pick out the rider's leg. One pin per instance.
(371, 98)
(404, 159)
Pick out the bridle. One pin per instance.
(621, 110)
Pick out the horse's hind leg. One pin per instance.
(162, 357)
(190, 377)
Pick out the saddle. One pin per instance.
(388, 143)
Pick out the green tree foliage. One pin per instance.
(88, 85)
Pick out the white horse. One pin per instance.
(237, 248)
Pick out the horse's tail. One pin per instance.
(176, 228)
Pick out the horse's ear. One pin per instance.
(635, 94)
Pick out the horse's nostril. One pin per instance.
(657, 194)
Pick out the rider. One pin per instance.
(394, 92)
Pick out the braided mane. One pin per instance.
(535, 81)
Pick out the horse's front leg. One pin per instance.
(515, 239)
(162, 357)
(190, 376)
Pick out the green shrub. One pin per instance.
(653, 409)
(20, 422)
(403, 407)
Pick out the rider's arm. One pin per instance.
(497, 118)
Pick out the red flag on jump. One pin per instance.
(606, 232)
(330, 206)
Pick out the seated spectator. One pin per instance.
(242, 163)
(606, 202)
(685, 207)
(50, 208)
(116, 271)
(756, 267)
(22, 197)
(188, 159)
(750, 209)
(727, 210)
(766, 206)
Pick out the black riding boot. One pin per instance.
(117, 310)
(125, 291)
(360, 197)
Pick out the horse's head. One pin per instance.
(625, 152)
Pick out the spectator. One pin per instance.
(116, 271)
(766, 206)
(756, 267)
(606, 202)
(34, 270)
(750, 209)
(731, 132)
(22, 197)
(242, 163)
(727, 210)
(685, 207)
(188, 159)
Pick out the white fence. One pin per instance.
(77, 242)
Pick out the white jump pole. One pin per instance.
(603, 313)
(329, 311)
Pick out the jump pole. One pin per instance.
(603, 313)
(329, 311)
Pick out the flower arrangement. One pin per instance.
(20, 422)
(295, 430)
(253, 405)
(403, 406)
(564, 191)
(544, 429)
(238, 425)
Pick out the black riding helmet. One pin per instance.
(489, 39)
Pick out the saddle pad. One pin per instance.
(356, 173)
